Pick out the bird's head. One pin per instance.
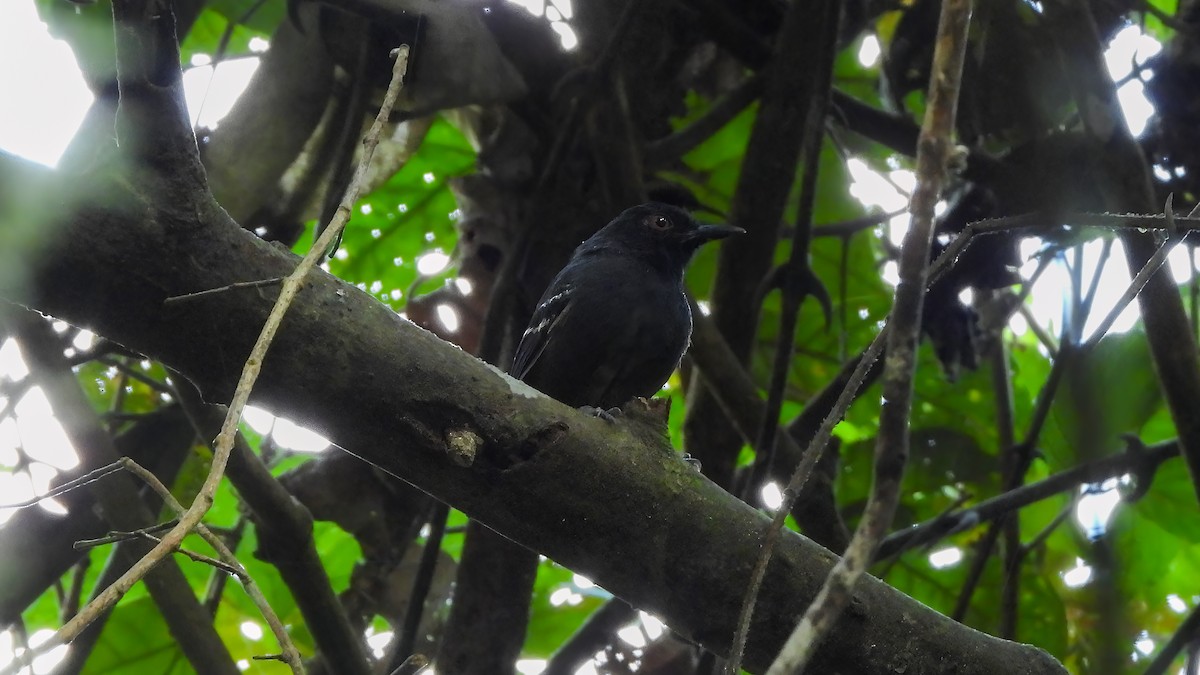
(664, 235)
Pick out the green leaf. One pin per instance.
(551, 624)
(209, 30)
(1109, 391)
(135, 641)
(411, 214)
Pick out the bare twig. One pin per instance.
(134, 374)
(114, 537)
(808, 461)
(853, 226)
(1139, 281)
(89, 477)
(224, 443)
(1041, 537)
(188, 297)
(406, 637)
(1142, 462)
(222, 49)
(948, 518)
(678, 144)
(284, 530)
(215, 588)
(1039, 331)
(220, 565)
(1094, 285)
(891, 450)
(70, 603)
(1039, 221)
(228, 563)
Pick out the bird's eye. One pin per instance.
(659, 222)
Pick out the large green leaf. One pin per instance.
(135, 641)
(411, 214)
(1107, 392)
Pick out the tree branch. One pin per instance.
(545, 475)
(764, 183)
(284, 529)
(1127, 186)
(1140, 461)
(904, 330)
(122, 506)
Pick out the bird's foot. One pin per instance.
(609, 415)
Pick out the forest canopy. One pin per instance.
(390, 498)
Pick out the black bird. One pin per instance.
(615, 322)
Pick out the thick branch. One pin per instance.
(562, 483)
(904, 331)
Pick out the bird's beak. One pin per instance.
(710, 232)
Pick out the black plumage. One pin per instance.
(615, 321)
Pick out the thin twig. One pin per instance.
(1139, 281)
(1039, 331)
(134, 374)
(1039, 221)
(946, 518)
(406, 638)
(1023, 455)
(228, 563)
(1020, 497)
(224, 443)
(198, 557)
(891, 450)
(70, 603)
(174, 299)
(1041, 537)
(222, 48)
(215, 589)
(846, 228)
(1094, 286)
(678, 144)
(808, 461)
(982, 551)
(1073, 319)
(89, 477)
(114, 537)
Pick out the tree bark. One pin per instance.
(608, 500)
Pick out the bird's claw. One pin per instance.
(609, 415)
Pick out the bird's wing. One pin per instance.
(549, 313)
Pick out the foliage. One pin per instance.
(957, 453)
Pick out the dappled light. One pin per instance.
(951, 337)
